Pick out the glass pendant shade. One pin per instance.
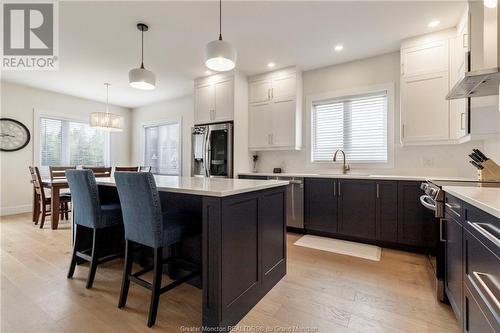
(107, 121)
(141, 78)
(220, 56)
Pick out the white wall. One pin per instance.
(166, 110)
(18, 102)
(492, 149)
(446, 160)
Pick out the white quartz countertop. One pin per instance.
(349, 175)
(213, 187)
(484, 198)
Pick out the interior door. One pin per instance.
(219, 151)
(224, 100)
(204, 103)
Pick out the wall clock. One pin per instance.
(13, 135)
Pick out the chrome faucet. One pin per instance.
(345, 167)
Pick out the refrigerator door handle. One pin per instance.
(205, 152)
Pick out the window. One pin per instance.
(65, 142)
(162, 148)
(355, 124)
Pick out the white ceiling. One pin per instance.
(99, 41)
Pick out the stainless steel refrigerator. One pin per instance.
(212, 150)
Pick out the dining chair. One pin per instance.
(99, 172)
(131, 169)
(145, 224)
(41, 206)
(57, 172)
(145, 168)
(89, 213)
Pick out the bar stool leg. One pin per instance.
(127, 270)
(93, 261)
(72, 265)
(155, 296)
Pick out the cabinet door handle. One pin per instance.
(268, 93)
(462, 122)
(339, 190)
(334, 189)
(402, 69)
(450, 207)
(479, 227)
(272, 92)
(465, 40)
(487, 283)
(378, 191)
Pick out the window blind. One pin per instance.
(64, 142)
(162, 148)
(355, 124)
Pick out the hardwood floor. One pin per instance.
(322, 292)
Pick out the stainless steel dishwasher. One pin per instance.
(295, 201)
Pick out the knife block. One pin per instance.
(491, 171)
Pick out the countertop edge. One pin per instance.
(474, 202)
(212, 193)
(340, 176)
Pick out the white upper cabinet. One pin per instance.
(204, 96)
(214, 99)
(259, 91)
(425, 82)
(275, 110)
(224, 100)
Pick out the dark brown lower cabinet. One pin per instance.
(320, 205)
(357, 205)
(475, 320)
(376, 211)
(387, 211)
(416, 224)
(453, 266)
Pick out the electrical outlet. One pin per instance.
(427, 161)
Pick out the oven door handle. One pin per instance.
(426, 204)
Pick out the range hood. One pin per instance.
(483, 79)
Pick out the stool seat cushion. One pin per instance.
(111, 214)
(177, 227)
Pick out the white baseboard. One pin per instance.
(15, 210)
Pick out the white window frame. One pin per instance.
(39, 114)
(167, 121)
(339, 94)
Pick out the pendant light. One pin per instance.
(220, 55)
(106, 120)
(141, 78)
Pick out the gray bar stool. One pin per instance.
(147, 225)
(90, 213)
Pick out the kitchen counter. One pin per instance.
(484, 198)
(211, 187)
(243, 229)
(350, 176)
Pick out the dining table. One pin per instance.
(55, 186)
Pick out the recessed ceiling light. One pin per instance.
(433, 24)
(271, 65)
(490, 3)
(208, 72)
(338, 48)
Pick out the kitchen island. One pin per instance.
(243, 242)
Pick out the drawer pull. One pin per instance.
(487, 284)
(479, 227)
(452, 210)
(441, 222)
